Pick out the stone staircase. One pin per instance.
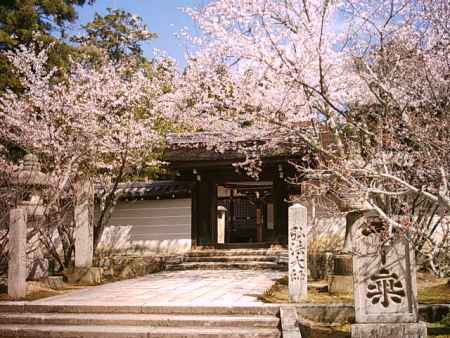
(216, 259)
(39, 321)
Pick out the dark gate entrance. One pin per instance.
(247, 211)
(241, 223)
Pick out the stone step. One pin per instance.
(123, 331)
(234, 252)
(249, 245)
(261, 258)
(35, 307)
(205, 265)
(160, 320)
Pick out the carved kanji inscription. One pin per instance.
(385, 287)
(383, 275)
(298, 252)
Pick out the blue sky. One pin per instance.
(161, 16)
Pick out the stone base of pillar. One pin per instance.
(391, 330)
(85, 276)
(55, 282)
(340, 284)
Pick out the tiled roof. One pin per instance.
(153, 190)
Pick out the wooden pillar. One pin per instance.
(259, 222)
(229, 220)
(203, 213)
(194, 216)
(212, 199)
(280, 210)
(206, 211)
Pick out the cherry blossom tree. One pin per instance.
(360, 86)
(95, 122)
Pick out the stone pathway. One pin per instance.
(179, 288)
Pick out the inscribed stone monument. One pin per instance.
(298, 273)
(384, 278)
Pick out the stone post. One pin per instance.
(384, 277)
(84, 233)
(17, 265)
(298, 272)
(31, 179)
(221, 218)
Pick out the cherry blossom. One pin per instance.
(91, 122)
(360, 87)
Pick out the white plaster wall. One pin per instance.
(156, 226)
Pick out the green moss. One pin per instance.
(438, 294)
(446, 320)
(439, 330)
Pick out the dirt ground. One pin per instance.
(39, 290)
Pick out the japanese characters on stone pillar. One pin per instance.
(384, 277)
(84, 233)
(298, 272)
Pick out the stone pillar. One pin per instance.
(84, 234)
(221, 212)
(17, 265)
(298, 272)
(384, 275)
